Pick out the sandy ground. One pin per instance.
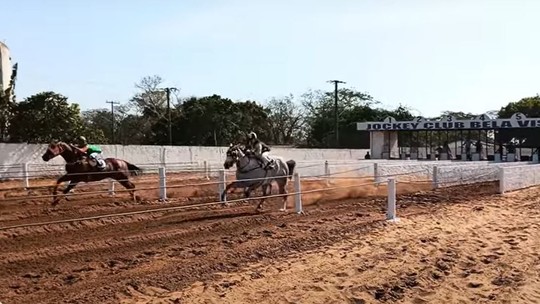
(477, 251)
(453, 245)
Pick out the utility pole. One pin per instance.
(168, 90)
(336, 114)
(112, 119)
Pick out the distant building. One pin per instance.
(5, 67)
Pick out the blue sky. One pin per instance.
(432, 55)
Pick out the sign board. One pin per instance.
(449, 123)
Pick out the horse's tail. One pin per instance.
(291, 164)
(134, 170)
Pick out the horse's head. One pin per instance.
(56, 148)
(234, 153)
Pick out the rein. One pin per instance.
(241, 168)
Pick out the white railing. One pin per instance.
(510, 177)
(439, 174)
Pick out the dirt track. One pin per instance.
(108, 260)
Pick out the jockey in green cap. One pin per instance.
(93, 152)
(260, 150)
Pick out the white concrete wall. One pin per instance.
(519, 177)
(13, 156)
(447, 176)
(449, 173)
(310, 162)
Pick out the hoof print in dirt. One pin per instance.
(267, 233)
(474, 284)
(71, 279)
(32, 275)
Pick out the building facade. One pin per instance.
(6, 67)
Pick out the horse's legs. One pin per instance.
(265, 192)
(130, 186)
(229, 186)
(72, 184)
(282, 186)
(247, 191)
(62, 179)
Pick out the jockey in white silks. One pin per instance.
(260, 150)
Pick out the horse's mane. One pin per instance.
(237, 146)
(60, 143)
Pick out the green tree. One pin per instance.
(213, 121)
(151, 99)
(149, 123)
(46, 116)
(320, 111)
(99, 120)
(353, 107)
(530, 106)
(287, 123)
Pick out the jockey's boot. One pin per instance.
(270, 165)
(101, 165)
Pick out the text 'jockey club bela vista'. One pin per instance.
(518, 120)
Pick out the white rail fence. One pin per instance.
(440, 173)
(391, 213)
(510, 177)
(48, 170)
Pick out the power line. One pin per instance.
(168, 91)
(112, 119)
(336, 115)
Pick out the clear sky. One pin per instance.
(432, 55)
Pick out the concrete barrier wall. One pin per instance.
(401, 172)
(519, 177)
(449, 173)
(310, 162)
(419, 170)
(447, 176)
(175, 158)
(31, 153)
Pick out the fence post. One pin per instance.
(435, 183)
(376, 176)
(327, 172)
(501, 180)
(163, 157)
(162, 184)
(222, 184)
(391, 207)
(111, 187)
(298, 194)
(26, 181)
(206, 170)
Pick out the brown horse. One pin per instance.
(80, 170)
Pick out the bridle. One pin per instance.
(237, 157)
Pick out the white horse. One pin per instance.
(248, 168)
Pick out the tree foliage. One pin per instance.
(306, 121)
(530, 106)
(286, 121)
(47, 116)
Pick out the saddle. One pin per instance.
(85, 161)
(251, 155)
